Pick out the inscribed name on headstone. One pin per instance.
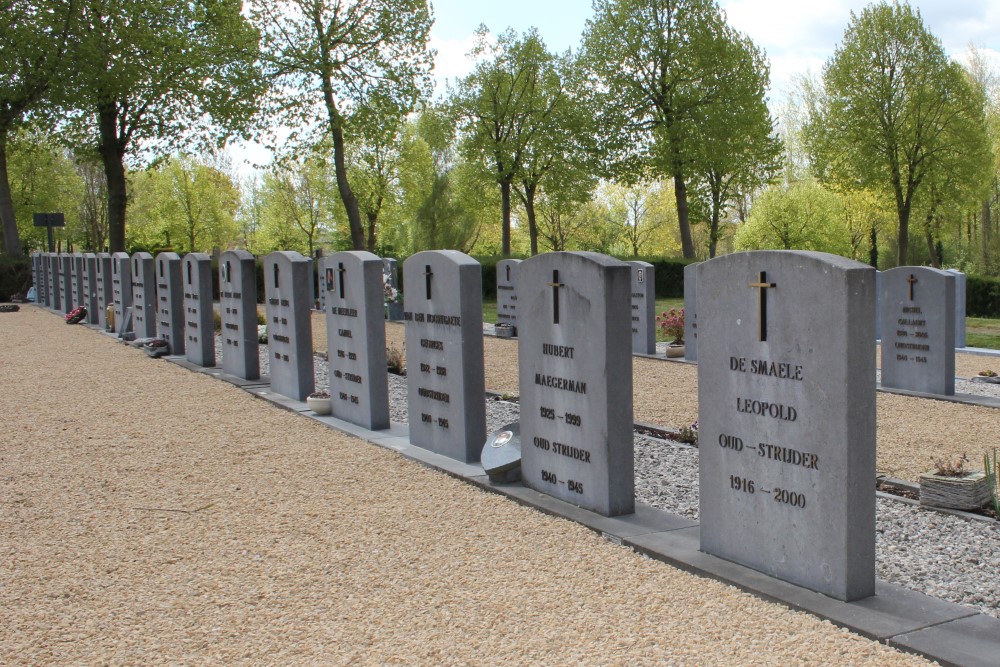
(65, 283)
(355, 331)
(643, 308)
(199, 322)
(76, 280)
(507, 292)
(89, 261)
(960, 287)
(446, 395)
(918, 329)
(392, 298)
(576, 379)
(105, 294)
(691, 311)
(787, 429)
(288, 292)
(238, 303)
(170, 301)
(121, 288)
(143, 295)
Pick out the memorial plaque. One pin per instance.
(66, 296)
(443, 312)
(121, 289)
(787, 446)
(288, 297)
(390, 280)
(89, 260)
(576, 379)
(238, 303)
(691, 311)
(643, 300)
(507, 292)
(143, 295)
(170, 319)
(199, 320)
(918, 330)
(960, 286)
(105, 293)
(355, 330)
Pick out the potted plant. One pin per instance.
(951, 486)
(671, 324)
(319, 402)
(987, 376)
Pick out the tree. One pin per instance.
(299, 205)
(802, 216)
(657, 66)
(896, 112)
(33, 38)
(373, 174)
(342, 65)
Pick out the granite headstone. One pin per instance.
(288, 292)
(170, 301)
(90, 288)
(143, 295)
(199, 318)
(507, 292)
(66, 296)
(643, 311)
(238, 303)
(76, 282)
(121, 290)
(960, 287)
(105, 293)
(691, 311)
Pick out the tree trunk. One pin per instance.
(680, 194)
(873, 249)
(340, 168)
(11, 241)
(112, 153)
(529, 210)
(505, 208)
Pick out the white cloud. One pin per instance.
(452, 61)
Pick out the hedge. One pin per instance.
(982, 296)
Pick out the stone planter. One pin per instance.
(969, 492)
(505, 331)
(675, 351)
(319, 404)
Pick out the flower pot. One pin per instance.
(674, 350)
(319, 405)
(505, 331)
(968, 492)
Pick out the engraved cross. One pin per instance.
(911, 280)
(341, 272)
(555, 285)
(762, 285)
(427, 275)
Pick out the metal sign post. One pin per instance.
(50, 220)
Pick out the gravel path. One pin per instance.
(153, 515)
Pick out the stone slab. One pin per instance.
(66, 295)
(507, 292)
(76, 281)
(238, 309)
(90, 288)
(691, 312)
(170, 301)
(960, 297)
(643, 300)
(121, 290)
(143, 295)
(969, 642)
(105, 292)
(199, 319)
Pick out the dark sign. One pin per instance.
(50, 220)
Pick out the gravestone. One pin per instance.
(143, 295)
(355, 331)
(288, 293)
(445, 380)
(507, 292)
(390, 281)
(65, 283)
(918, 330)
(36, 279)
(199, 320)
(691, 311)
(170, 301)
(52, 270)
(878, 305)
(643, 307)
(121, 290)
(89, 260)
(79, 294)
(238, 303)
(576, 380)
(105, 293)
(787, 449)
(42, 293)
(960, 286)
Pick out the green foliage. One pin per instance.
(803, 216)
(982, 296)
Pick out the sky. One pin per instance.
(797, 36)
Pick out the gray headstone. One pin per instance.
(53, 273)
(65, 283)
(288, 292)
(35, 280)
(643, 311)
(199, 320)
(691, 311)
(143, 295)
(918, 329)
(42, 292)
(355, 330)
(960, 286)
(170, 301)
(444, 353)
(121, 288)
(390, 279)
(878, 305)
(575, 360)
(90, 288)
(787, 436)
(238, 304)
(105, 293)
(76, 282)
(507, 292)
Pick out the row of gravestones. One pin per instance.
(788, 359)
(919, 318)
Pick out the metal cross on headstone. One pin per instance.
(508, 272)
(341, 272)
(762, 285)
(555, 285)
(911, 280)
(427, 274)
(275, 273)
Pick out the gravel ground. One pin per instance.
(153, 515)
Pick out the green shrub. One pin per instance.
(982, 296)
(15, 276)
